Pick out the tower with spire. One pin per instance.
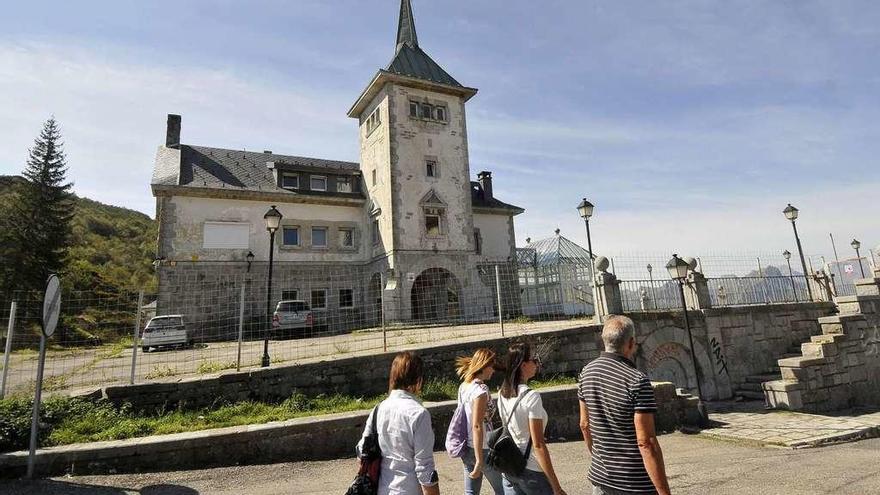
(414, 158)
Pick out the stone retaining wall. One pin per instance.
(840, 368)
(324, 437)
(730, 343)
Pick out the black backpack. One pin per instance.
(504, 455)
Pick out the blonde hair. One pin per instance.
(468, 367)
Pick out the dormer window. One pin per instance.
(290, 181)
(343, 184)
(318, 183)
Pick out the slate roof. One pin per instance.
(479, 200)
(414, 62)
(553, 251)
(202, 166)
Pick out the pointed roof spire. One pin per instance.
(406, 27)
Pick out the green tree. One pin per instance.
(36, 218)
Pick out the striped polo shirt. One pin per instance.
(613, 390)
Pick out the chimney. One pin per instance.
(172, 131)
(485, 179)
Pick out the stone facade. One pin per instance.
(839, 368)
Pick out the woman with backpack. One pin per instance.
(526, 425)
(476, 403)
(405, 436)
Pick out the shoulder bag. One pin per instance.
(457, 433)
(369, 463)
(504, 455)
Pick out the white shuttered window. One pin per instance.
(226, 235)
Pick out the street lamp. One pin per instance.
(787, 255)
(651, 278)
(585, 209)
(678, 271)
(273, 221)
(791, 213)
(856, 245)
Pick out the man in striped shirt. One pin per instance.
(617, 418)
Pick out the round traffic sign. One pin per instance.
(51, 305)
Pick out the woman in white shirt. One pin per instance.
(474, 395)
(405, 434)
(528, 422)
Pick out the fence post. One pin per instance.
(240, 328)
(137, 329)
(498, 291)
(763, 285)
(382, 312)
(8, 349)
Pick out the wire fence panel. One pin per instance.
(210, 316)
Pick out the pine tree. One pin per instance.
(37, 218)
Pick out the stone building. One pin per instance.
(406, 227)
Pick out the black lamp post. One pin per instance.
(678, 271)
(791, 213)
(585, 209)
(651, 279)
(273, 221)
(856, 245)
(787, 255)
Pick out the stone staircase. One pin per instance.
(751, 389)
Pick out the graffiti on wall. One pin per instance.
(720, 362)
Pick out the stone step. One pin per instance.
(766, 377)
(749, 394)
(752, 386)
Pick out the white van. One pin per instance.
(164, 331)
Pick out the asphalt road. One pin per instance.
(695, 465)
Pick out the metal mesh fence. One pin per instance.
(218, 316)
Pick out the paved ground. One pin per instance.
(750, 422)
(696, 465)
(84, 368)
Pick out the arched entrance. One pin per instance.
(374, 300)
(435, 296)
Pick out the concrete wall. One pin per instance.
(187, 217)
(315, 438)
(497, 235)
(375, 156)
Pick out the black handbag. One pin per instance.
(369, 463)
(504, 455)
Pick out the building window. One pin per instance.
(343, 184)
(373, 121)
(373, 173)
(432, 221)
(290, 181)
(414, 109)
(440, 114)
(318, 183)
(346, 238)
(319, 299)
(478, 242)
(289, 295)
(290, 236)
(319, 236)
(427, 111)
(346, 298)
(375, 231)
(431, 169)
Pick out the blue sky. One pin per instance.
(690, 125)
